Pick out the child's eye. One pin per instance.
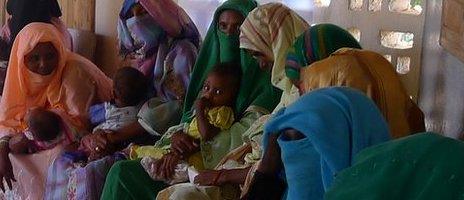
(206, 88)
(217, 92)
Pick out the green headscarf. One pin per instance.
(422, 166)
(216, 48)
(315, 44)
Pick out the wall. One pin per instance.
(106, 19)
(442, 79)
(79, 14)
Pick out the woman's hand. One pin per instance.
(271, 162)
(96, 143)
(165, 166)
(201, 104)
(183, 145)
(6, 170)
(222, 177)
(210, 178)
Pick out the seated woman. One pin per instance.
(313, 139)
(159, 39)
(24, 12)
(164, 52)
(422, 166)
(256, 97)
(43, 73)
(85, 168)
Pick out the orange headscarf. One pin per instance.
(72, 87)
(371, 73)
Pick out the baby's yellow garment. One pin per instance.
(221, 117)
(137, 151)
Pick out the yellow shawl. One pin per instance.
(271, 29)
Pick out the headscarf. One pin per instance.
(24, 12)
(371, 73)
(72, 86)
(255, 88)
(271, 29)
(315, 44)
(337, 123)
(423, 166)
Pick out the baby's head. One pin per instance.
(222, 84)
(43, 125)
(130, 87)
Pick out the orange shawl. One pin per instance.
(75, 84)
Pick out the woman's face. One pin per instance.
(264, 62)
(138, 10)
(230, 21)
(43, 59)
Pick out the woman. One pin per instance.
(23, 12)
(221, 45)
(423, 166)
(159, 39)
(43, 73)
(371, 73)
(313, 139)
(256, 97)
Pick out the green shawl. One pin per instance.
(210, 55)
(315, 44)
(422, 166)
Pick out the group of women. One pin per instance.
(311, 105)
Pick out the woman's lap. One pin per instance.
(68, 180)
(128, 180)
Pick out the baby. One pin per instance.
(45, 130)
(130, 91)
(213, 113)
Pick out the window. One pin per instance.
(356, 33)
(396, 40)
(375, 5)
(410, 7)
(321, 3)
(403, 65)
(388, 57)
(356, 5)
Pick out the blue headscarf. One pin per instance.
(337, 123)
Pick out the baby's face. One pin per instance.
(40, 127)
(218, 91)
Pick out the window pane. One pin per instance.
(396, 40)
(411, 7)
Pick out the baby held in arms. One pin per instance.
(45, 130)
(213, 113)
(130, 91)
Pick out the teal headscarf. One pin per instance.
(337, 123)
(218, 47)
(421, 166)
(315, 44)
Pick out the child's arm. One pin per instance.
(207, 130)
(19, 144)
